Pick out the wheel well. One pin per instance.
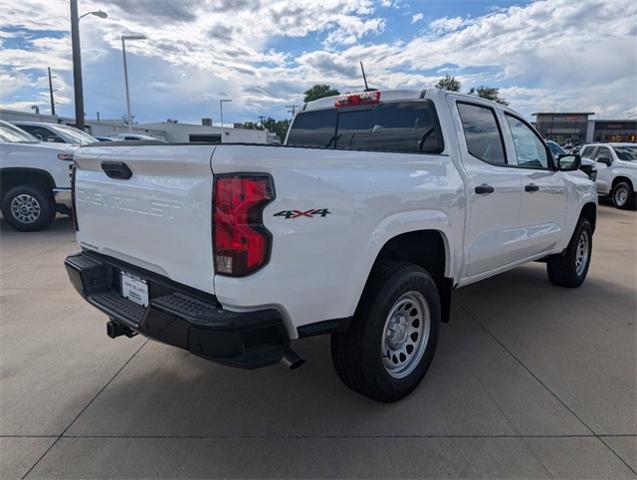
(10, 178)
(589, 212)
(620, 179)
(425, 248)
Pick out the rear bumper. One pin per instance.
(180, 316)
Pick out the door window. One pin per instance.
(482, 133)
(603, 152)
(529, 148)
(587, 152)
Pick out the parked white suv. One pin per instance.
(56, 133)
(379, 205)
(34, 179)
(616, 171)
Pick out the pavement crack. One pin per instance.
(84, 409)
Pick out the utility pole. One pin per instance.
(129, 117)
(292, 108)
(51, 94)
(77, 67)
(221, 112)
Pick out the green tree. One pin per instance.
(319, 90)
(449, 83)
(278, 127)
(490, 93)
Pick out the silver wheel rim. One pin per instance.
(581, 254)
(621, 195)
(25, 208)
(405, 334)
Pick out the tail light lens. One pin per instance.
(241, 243)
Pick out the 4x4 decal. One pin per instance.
(307, 213)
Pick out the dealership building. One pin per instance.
(578, 128)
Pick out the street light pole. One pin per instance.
(51, 94)
(77, 62)
(221, 100)
(77, 67)
(129, 118)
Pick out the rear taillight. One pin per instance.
(241, 242)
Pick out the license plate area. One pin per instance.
(134, 288)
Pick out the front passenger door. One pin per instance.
(604, 175)
(543, 207)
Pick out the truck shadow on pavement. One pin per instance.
(484, 380)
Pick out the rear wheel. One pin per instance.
(393, 337)
(624, 196)
(569, 269)
(28, 208)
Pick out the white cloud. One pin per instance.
(558, 52)
(446, 24)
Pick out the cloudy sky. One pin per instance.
(560, 55)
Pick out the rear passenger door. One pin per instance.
(493, 231)
(543, 208)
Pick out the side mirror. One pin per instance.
(605, 160)
(569, 162)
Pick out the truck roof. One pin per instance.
(393, 95)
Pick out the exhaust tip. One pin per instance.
(291, 360)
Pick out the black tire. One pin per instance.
(564, 269)
(37, 199)
(623, 195)
(357, 353)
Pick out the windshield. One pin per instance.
(73, 135)
(12, 134)
(626, 153)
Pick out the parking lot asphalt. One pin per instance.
(530, 381)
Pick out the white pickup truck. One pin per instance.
(35, 179)
(379, 205)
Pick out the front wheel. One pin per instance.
(569, 269)
(392, 340)
(624, 196)
(28, 208)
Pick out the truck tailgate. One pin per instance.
(159, 218)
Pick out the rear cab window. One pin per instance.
(404, 127)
